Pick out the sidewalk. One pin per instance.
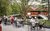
(24, 28)
(12, 28)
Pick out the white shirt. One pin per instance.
(32, 21)
(36, 21)
(15, 18)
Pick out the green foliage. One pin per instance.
(15, 9)
(47, 23)
(41, 21)
(20, 8)
(8, 10)
(5, 7)
(41, 8)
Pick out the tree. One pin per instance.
(2, 8)
(21, 6)
(15, 8)
(5, 7)
(49, 10)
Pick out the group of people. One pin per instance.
(12, 19)
(35, 23)
(4, 19)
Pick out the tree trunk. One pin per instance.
(49, 9)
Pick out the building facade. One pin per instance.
(43, 9)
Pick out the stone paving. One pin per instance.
(24, 28)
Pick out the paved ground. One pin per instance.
(25, 28)
(13, 28)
